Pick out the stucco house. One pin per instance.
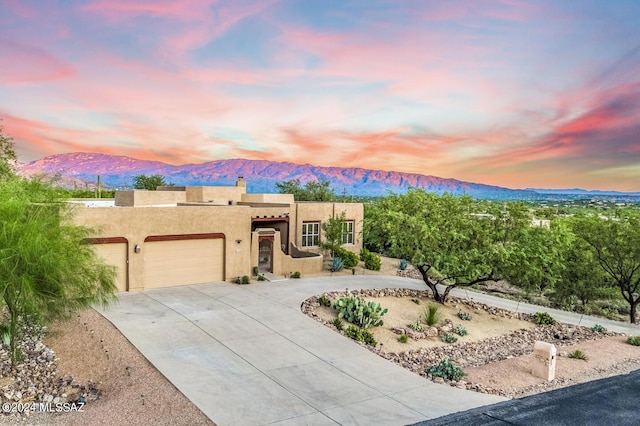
(188, 235)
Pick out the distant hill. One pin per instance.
(118, 171)
(585, 192)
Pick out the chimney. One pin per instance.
(240, 182)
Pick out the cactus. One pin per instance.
(358, 311)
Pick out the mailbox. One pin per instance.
(544, 360)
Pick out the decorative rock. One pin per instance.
(431, 332)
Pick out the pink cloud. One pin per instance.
(25, 64)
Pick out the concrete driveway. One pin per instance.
(246, 355)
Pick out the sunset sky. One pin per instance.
(513, 93)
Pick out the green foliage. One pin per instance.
(403, 264)
(336, 264)
(262, 278)
(578, 354)
(238, 280)
(403, 338)
(543, 318)
(8, 156)
(361, 335)
(460, 330)
(255, 271)
(446, 370)
(296, 275)
(358, 311)
(150, 183)
(452, 241)
(371, 260)
(349, 258)
(432, 314)
(246, 279)
(615, 244)
(324, 300)
(338, 324)
(599, 328)
(45, 271)
(581, 277)
(332, 234)
(635, 340)
(416, 326)
(449, 338)
(311, 191)
(464, 316)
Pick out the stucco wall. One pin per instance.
(321, 212)
(141, 198)
(135, 224)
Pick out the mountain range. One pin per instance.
(76, 169)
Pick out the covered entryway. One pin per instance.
(114, 252)
(265, 254)
(173, 260)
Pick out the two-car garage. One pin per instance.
(171, 260)
(167, 260)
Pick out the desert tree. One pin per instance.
(150, 183)
(311, 191)
(46, 273)
(615, 243)
(454, 241)
(8, 156)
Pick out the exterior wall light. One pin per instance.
(136, 248)
(238, 241)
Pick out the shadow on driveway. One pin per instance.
(610, 401)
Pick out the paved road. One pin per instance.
(612, 401)
(247, 355)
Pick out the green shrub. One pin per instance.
(446, 370)
(296, 274)
(464, 316)
(543, 318)
(449, 338)
(349, 258)
(336, 264)
(416, 326)
(358, 311)
(460, 330)
(578, 354)
(373, 262)
(261, 278)
(432, 314)
(403, 264)
(364, 253)
(599, 329)
(403, 338)
(338, 324)
(238, 280)
(635, 340)
(246, 279)
(256, 271)
(361, 335)
(324, 300)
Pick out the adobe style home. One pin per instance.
(189, 235)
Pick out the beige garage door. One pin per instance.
(182, 262)
(115, 254)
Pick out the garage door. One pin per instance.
(115, 254)
(182, 262)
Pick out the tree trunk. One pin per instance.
(632, 313)
(424, 271)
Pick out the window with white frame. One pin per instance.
(310, 234)
(347, 232)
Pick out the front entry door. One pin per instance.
(265, 255)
